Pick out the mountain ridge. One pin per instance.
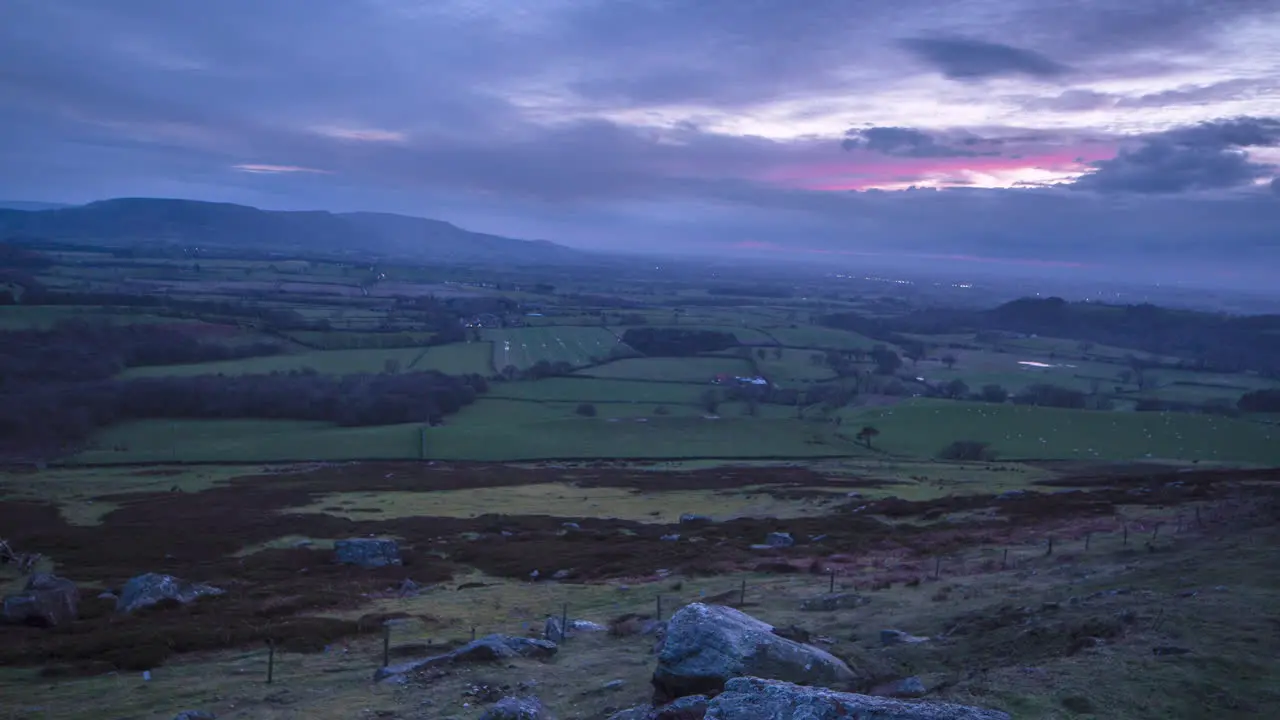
(137, 221)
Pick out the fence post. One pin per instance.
(937, 567)
(832, 587)
(659, 606)
(1004, 560)
(271, 660)
(564, 622)
(1126, 533)
(742, 593)
(473, 633)
(1086, 540)
(1050, 550)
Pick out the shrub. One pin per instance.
(970, 450)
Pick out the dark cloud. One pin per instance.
(906, 142)
(967, 59)
(1207, 156)
(1080, 99)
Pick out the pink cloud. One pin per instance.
(863, 170)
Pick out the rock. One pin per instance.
(46, 600)
(749, 698)
(195, 715)
(834, 601)
(897, 637)
(687, 518)
(408, 588)
(502, 647)
(562, 575)
(692, 707)
(673, 537)
(909, 687)
(553, 630)
(586, 626)
(571, 526)
(151, 588)
(490, 648)
(367, 552)
(779, 539)
(705, 645)
(1169, 650)
(513, 708)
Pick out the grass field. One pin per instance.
(455, 358)
(42, 317)
(691, 370)
(921, 428)
(821, 338)
(1016, 371)
(795, 366)
(523, 347)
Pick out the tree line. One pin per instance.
(44, 419)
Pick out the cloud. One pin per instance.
(276, 169)
(1207, 156)
(362, 135)
(967, 59)
(906, 142)
(1275, 185)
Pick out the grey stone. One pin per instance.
(909, 687)
(897, 637)
(673, 537)
(834, 601)
(151, 588)
(46, 600)
(586, 626)
(692, 518)
(514, 708)
(553, 630)
(195, 715)
(367, 552)
(749, 698)
(705, 645)
(779, 539)
(490, 648)
(613, 685)
(691, 707)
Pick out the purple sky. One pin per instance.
(1078, 133)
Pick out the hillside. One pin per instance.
(137, 221)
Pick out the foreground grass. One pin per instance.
(1023, 667)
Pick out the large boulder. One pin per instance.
(46, 600)
(514, 708)
(367, 552)
(706, 645)
(749, 698)
(151, 588)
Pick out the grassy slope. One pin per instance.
(692, 370)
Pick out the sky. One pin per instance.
(1094, 136)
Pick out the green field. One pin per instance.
(692, 370)
(821, 338)
(43, 317)
(795, 366)
(921, 428)
(455, 358)
(578, 346)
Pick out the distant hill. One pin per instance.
(139, 221)
(28, 205)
